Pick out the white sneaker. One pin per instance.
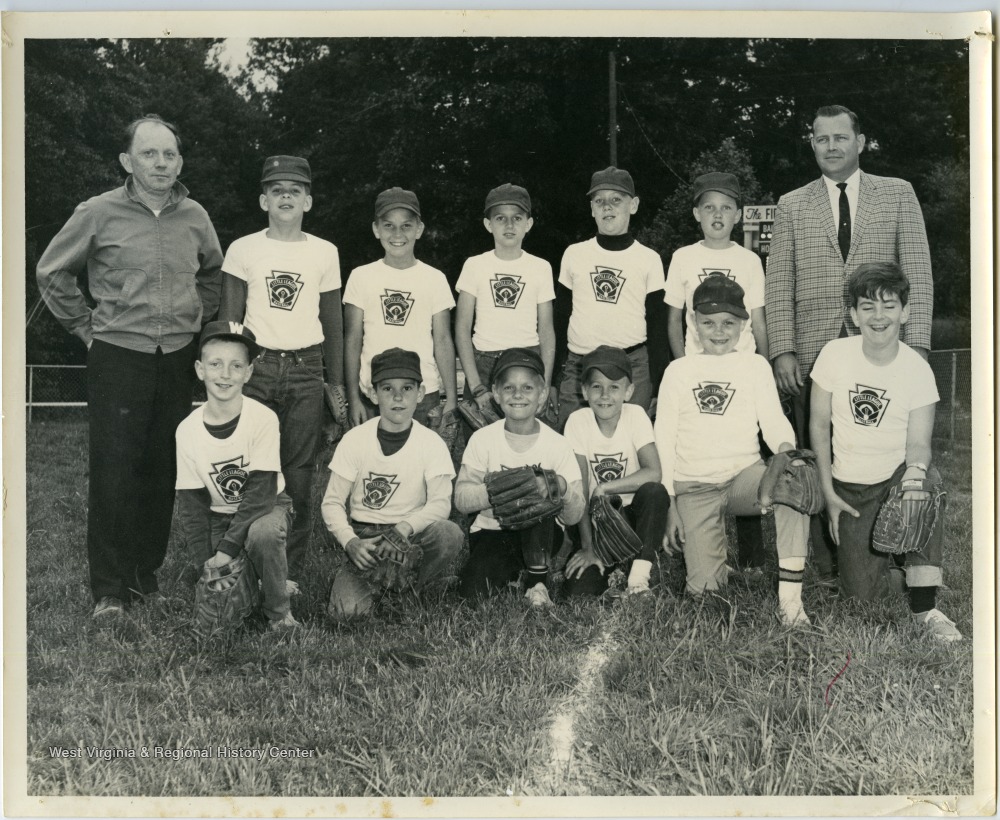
(292, 588)
(939, 625)
(538, 596)
(288, 622)
(637, 589)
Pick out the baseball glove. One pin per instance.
(398, 562)
(476, 416)
(614, 540)
(336, 403)
(524, 496)
(793, 486)
(907, 525)
(225, 595)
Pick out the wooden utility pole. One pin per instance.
(612, 108)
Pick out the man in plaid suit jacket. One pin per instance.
(813, 254)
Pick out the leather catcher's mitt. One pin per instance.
(614, 540)
(336, 403)
(476, 416)
(906, 526)
(794, 486)
(217, 605)
(391, 572)
(524, 496)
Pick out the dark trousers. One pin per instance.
(497, 557)
(823, 550)
(291, 384)
(647, 514)
(136, 400)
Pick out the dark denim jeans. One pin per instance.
(290, 382)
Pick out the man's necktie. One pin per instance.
(844, 227)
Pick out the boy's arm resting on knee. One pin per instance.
(334, 509)
(260, 494)
(470, 491)
(649, 472)
(331, 317)
(194, 513)
(820, 414)
(437, 507)
(233, 306)
(574, 504)
(919, 429)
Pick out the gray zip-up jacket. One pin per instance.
(153, 279)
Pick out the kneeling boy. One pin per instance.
(880, 396)
(616, 450)
(389, 473)
(230, 490)
(498, 556)
(711, 406)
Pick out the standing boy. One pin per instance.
(399, 301)
(498, 556)
(390, 473)
(616, 451)
(710, 409)
(609, 293)
(230, 490)
(717, 202)
(285, 284)
(509, 294)
(880, 396)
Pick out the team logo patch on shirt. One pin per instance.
(713, 397)
(396, 305)
(230, 477)
(608, 284)
(608, 467)
(706, 272)
(507, 290)
(868, 405)
(283, 289)
(378, 489)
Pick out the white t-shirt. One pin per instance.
(399, 308)
(284, 281)
(609, 293)
(708, 414)
(488, 452)
(692, 264)
(507, 297)
(611, 457)
(870, 406)
(388, 489)
(222, 466)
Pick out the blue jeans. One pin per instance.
(570, 398)
(291, 383)
(352, 595)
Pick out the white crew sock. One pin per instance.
(638, 576)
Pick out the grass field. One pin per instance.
(666, 696)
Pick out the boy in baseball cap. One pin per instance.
(401, 302)
(499, 556)
(711, 406)
(717, 202)
(390, 473)
(505, 296)
(230, 488)
(609, 293)
(284, 284)
(616, 450)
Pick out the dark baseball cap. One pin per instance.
(726, 184)
(611, 361)
(230, 332)
(508, 194)
(517, 357)
(290, 169)
(612, 179)
(396, 363)
(396, 198)
(719, 294)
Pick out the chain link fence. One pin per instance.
(65, 386)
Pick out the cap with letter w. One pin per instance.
(230, 331)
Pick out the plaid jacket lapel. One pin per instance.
(867, 192)
(819, 201)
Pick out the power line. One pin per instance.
(631, 110)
